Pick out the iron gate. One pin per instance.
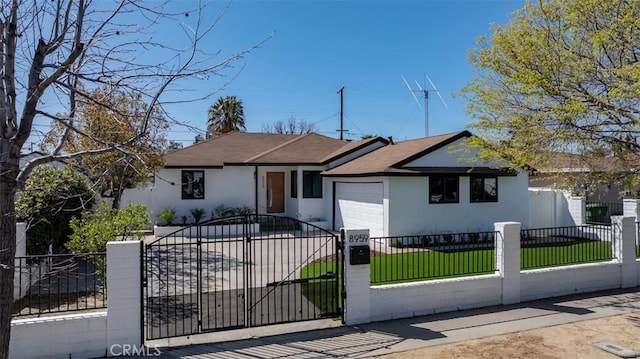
(239, 272)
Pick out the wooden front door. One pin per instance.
(275, 192)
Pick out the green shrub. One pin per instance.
(167, 215)
(50, 199)
(197, 214)
(92, 231)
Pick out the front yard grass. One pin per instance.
(560, 254)
(431, 264)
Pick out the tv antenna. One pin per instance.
(423, 90)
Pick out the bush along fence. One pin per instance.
(529, 264)
(58, 283)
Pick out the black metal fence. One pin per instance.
(58, 283)
(550, 247)
(240, 271)
(601, 212)
(432, 256)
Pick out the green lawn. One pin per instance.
(427, 265)
(559, 254)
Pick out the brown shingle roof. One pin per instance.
(230, 147)
(305, 149)
(390, 159)
(245, 148)
(572, 162)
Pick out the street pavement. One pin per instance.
(331, 339)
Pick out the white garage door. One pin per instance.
(360, 205)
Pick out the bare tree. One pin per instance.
(291, 127)
(53, 53)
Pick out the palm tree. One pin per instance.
(226, 115)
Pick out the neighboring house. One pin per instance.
(429, 185)
(570, 172)
(274, 173)
(419, 186)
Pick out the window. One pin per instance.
(294, 184)
(484, 189)
(311, 184)
(192, 184)
(443, 189)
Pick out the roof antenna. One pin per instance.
(425, 93)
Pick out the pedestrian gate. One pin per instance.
(238, 272)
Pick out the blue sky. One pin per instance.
(319, 46)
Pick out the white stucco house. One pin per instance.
(429, 185)
(418, 186)
(272, 173)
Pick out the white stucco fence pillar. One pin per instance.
(630, 208)
(577, 210)
(124, 300)
(508, 260)
(20, 285)
(357, 282)
(624, 247)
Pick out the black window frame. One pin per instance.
(314, 191)
(294, 184)
(193, 177)
(441, 181)
(485, 198)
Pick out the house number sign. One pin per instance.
(359, 238)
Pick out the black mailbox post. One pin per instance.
(359, 255)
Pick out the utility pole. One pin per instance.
(341, 130)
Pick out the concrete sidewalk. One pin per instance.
(374, 339)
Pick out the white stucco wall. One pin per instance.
(232, 186)
(549, 208)
(552, 282)
(64, 336)
(312, 208)
(300, 207)
(411, 213)
(429, 297)
(457, 154)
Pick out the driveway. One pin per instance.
(234, 283)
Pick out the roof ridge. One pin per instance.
(248, 160)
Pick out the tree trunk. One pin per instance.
(8, 172)
(117, 197)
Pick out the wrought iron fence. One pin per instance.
(59, 283)
(550, 247)
(432, 256)
(601, 212)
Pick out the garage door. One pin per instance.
(359, 205)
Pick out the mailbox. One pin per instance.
(359, 255)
